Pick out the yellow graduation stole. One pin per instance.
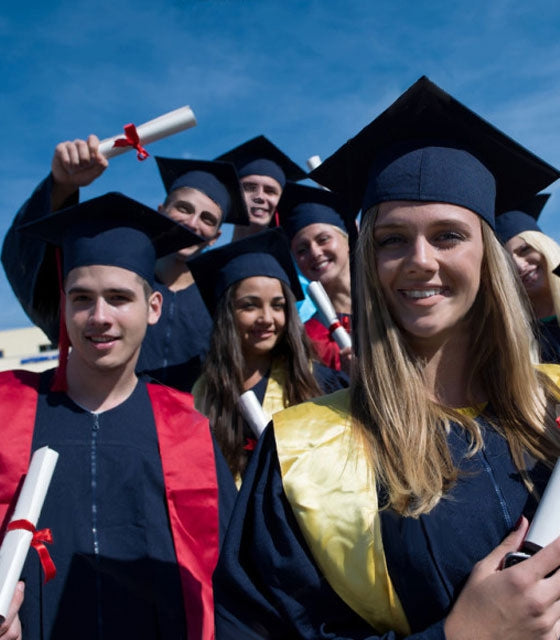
(272, 403)
(333, 496)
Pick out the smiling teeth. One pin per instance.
(102, 339)
(422, 293)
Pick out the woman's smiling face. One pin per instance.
(429, 258)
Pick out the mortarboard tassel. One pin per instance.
(60, 382)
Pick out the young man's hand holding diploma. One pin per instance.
(10, 629)
(75, 164)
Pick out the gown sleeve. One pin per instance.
(267, 584)
(30, 263)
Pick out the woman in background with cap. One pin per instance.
(258, 343)
(536, 255)
(398, 493)
(318, 227)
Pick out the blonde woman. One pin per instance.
(385, 517)
(319, 229)
(535, 255)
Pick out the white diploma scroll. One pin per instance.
(324, 306)
(16, 543)
(157, 129)
(545, 526)
(252, 411)
(313, 162)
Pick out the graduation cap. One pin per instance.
(429, 147)
(263, 254)
(217, 180)
(301, 205)
(522, 218)
(110, 230)
(260, 157)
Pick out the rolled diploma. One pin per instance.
(324, 306)
(252, 411)
(157, 129)
(545, 526)
(30, 502)
(313, 162)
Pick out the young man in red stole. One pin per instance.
(139, 491)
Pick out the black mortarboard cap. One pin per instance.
(259, 156)
(217, 180)
(302, 205)
(263, 254)
(427, 146)
(112, 230)
(522, 218)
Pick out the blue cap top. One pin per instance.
(260, 157)
(427, 146)
(523, 218)
(217, 180)
(301, 205)
(112, 230)
(263, 254)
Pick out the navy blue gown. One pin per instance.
(267, 583)
(173, 349)
(549, 339)
(117, 574)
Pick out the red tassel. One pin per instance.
(59, 382)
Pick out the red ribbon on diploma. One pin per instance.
(132, 139)
(37, 542)
(337, 324)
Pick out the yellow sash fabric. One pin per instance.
(329, 486)
(273, 398)
(552, 371)
(334, 499)
(272, 403)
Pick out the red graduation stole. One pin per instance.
(189, 474)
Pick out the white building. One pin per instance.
(27, 348)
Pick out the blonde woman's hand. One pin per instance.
(517, 603)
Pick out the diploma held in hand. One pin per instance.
(328, 315)
(17, 541)
(162, 127)
(545, 526)
(252, 411)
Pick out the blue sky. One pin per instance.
(307, 74)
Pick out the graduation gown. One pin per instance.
(173, 349)
(549, 339)
(133, 506)
(325, 345)
(309, 554)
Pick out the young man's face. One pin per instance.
(262, 194)
(107, 313)
(197, 212)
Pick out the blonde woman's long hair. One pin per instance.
(550, 251)
(404, 430)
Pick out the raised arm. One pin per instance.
(29, 263)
